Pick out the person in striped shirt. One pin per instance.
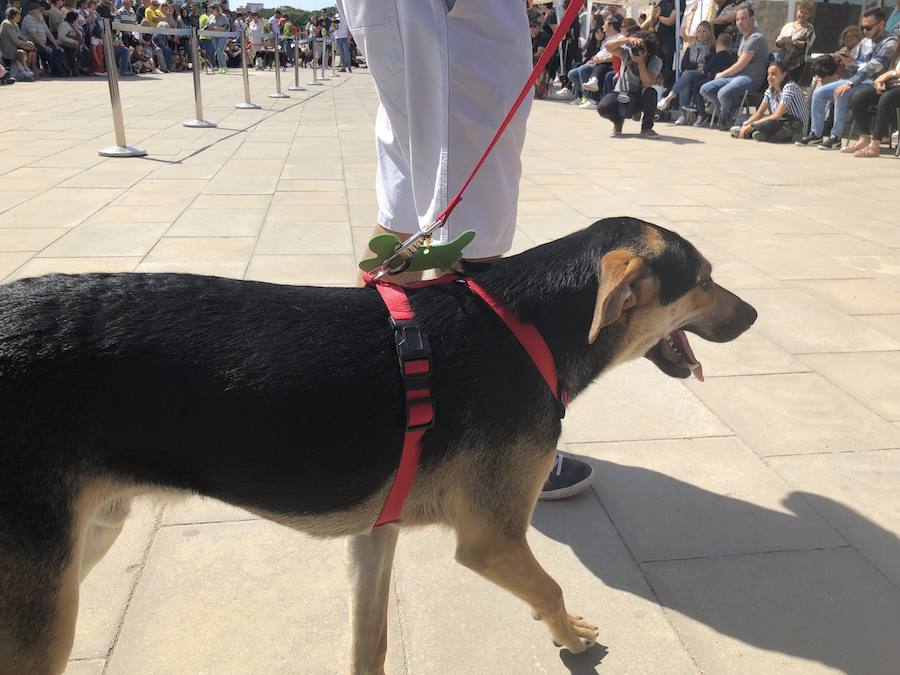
(783, 112)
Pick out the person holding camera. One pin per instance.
(634, 90)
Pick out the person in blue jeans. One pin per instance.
(747, 74)
(875, 52)
(692, 70)
(342, 40)
(219, 23)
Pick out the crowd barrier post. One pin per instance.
(315, 81)
(278, 93)
(324, 53)
(334, 72)
(198, 122)
(121, 148)
(296, 86)
(247, 104)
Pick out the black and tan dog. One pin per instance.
(286, 401)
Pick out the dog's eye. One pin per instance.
(705, 284)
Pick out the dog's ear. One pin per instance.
(618, 270)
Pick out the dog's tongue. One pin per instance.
(685, 347)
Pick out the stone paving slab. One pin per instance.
(748, 524)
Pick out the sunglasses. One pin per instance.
(866, 29)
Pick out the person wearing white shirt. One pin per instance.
(126, 13)
(342, 35)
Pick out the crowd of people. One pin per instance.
(624, 69)
(63, 38)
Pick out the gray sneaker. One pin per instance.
(568, 477)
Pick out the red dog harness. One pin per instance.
(414, 355)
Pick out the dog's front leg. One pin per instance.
(369, 559)
(508, 562)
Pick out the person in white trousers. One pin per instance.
(447, 72)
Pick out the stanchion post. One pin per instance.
(324, 51)
(278, 93)
(315, 81)
(198, 122)
(246, 105)
(296, 86)
(121, 148)
(333, 59)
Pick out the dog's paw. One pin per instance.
(580, 635)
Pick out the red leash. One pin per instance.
(408, 248)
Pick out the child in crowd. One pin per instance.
(721, 60)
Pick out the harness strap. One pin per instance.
(414, 354)
(530, 339)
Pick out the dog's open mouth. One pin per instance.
(674, 356)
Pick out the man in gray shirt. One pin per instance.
(747, 74)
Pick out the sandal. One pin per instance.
(868, 151)
(856, 147)
(617, 129)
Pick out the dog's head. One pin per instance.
(654, 286)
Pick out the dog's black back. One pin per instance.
(236, 389)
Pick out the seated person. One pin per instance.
(851, 43)
(687, 85)
(233, 54)
(634, 90)
(161, 50)
(581, 73)
(587, 78)
(18, 54)
(612, 30)
(36, 31)
(721, 60)
(782, 114)
(268, 54)
(885, 92)
(748, 73)
(874, 56)
(72, 41)
(142, 57)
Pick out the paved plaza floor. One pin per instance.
(748, 524)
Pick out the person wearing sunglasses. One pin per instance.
(875, 54)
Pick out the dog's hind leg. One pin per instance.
(102, 531)
(39, 575)
(369, 558)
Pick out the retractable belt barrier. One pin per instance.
(315, 81)
(135, 28)
(121, 148)
(217, 34)
(278, 93)
(296, 86)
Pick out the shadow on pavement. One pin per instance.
(585, 663)
(830, 605)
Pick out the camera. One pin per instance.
(633, 50)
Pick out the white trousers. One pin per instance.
(446, 73)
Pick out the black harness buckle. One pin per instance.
(413, 354)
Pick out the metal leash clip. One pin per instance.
(402, 257)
